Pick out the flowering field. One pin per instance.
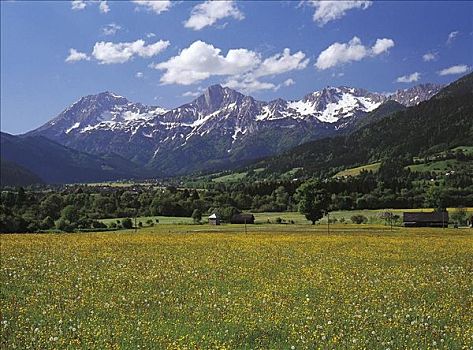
(169, 287)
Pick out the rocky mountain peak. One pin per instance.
(215, 97)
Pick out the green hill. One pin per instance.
(439, 124)
(55, 163)
(12, 174)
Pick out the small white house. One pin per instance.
(214, 219)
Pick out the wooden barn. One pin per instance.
(214, 219)
(243, 219)
(421, 219)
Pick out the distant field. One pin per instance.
(230, 178)
(262, 218)
(120, 184)
(373, 215)
(234, 177)
(436, 166)
(162, 220)
(278, 287)
(465, 149)
(356, 171)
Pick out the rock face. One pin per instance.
(219, 128)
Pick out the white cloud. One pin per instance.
(281, 63)
(78, 5)
(430, 56)
(150, 35)
(354, 50)
(108, 52)
(249, 84)
(111, 29)
(289, 82)
(191, 94)
(103, 6)
(155, 6)
(201, 60)
(209, 12)
(75, 56)
(381, 46)
(242, 67)
(459, 69)
(326, 11)
(409, 78)
(452, 36)
(139, 75)
(338, 75)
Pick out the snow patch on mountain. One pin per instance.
(75, 126)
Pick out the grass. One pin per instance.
(373, 216)
(278, 287)
(440, 166)
(167, 220)
(468, 150)
(234, 177)
(357, 170)
(230, 177)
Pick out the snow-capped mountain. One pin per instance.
(221, 126)
(415, 95)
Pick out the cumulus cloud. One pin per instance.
(103, 6)
(458, 69)
(111, 29)
(139, 75)
(326, 11)
(209, 12)
(249, 84)
(201, 60)
(75, 56)
(78, 5)
(381, 46)
(354, 50)
(242, 67)
(281, 63)
(289, 82)
(409, 78)
(452, 36)
(154, 6)
(430, 56)
(108, 52)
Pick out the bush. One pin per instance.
(47, 223)
(196, 216)
(98, 224)
(459, 216)
(359, 219)
(65, 225)
(127, 223)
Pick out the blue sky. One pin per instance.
(164, 53)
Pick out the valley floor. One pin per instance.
(201, 287)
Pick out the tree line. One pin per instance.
(72, 208)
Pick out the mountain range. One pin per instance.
(222, 128)
(106, 137)
(439, 124)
